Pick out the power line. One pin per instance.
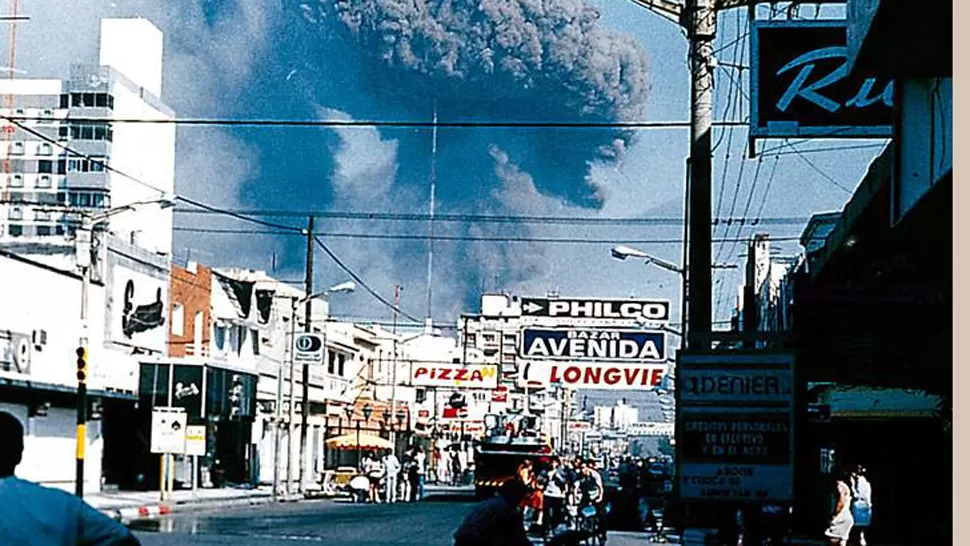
(412, 124)
(470, 238)
(824, 175)
(480, 218)
(359, 280)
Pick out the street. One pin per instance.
(335, 523)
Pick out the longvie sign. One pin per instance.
(801, 87)
(604, 376)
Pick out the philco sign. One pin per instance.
(472, 376)
(801, 86)
(592, 344)
(573, 308)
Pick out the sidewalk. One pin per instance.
(129, 505)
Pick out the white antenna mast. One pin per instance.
(434, 154)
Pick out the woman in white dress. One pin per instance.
(861, 504)
(841, 524)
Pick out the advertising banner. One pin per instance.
(597, 375)
(801, 87)
(168, 430)
(470, 376)
(734, 426)
(579, 308)
(593, 344)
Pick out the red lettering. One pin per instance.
(656, 376)
(555, 377)
(420, 371)
(461, 373)
(476, 375)
(612, 376)
(572, 374)
(444, 373)
(593, 375)
(631, 375)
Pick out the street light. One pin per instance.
(83, 243)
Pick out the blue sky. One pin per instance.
(254, 59)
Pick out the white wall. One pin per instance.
(49, 448)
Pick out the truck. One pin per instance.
(508, 441)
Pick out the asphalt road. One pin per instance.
(430, 522)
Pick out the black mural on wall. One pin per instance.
(140, 318)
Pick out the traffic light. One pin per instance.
(82, 364)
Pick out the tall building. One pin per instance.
(56, 165)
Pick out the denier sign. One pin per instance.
(471, 376)
(592, 344)
(571, 308)
(801, 87)
(734, 426)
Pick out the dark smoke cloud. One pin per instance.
(551, 53)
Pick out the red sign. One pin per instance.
(424, 414)
(454, 413)
(500, 394)
(599, 376)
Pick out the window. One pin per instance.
(341, 361)
(15, 230)
(61, 166)
(17, 181)
(59, 230)
(16, 213)
(178, 319)
(97, 165)
(75, 99)
(65, 100)
(220, 335)
(101, 100)
(470, 340)
(45, 166)
(88, 99)
(45, 149)
(63, 132)
(331, 361)
(42, 216)
(44, 181)
(111, 101)
(254, 335)
(43, 231)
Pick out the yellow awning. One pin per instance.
(367, 441)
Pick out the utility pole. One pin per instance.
(292, 409)
(701, 19)
(85, 237)
(307, 327)
(397, 301)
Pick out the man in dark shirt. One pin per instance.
(496, 521)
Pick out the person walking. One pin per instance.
(555, 495)
(375, 473)
(421, 471)
(861, 504)
(841, 523)
(34, 515)
(455, 467)
(392, 467)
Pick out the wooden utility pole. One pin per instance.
(307, 327)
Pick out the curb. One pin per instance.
(152, 511)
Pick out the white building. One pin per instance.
(55, 167)
(52, 171)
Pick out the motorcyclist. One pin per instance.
(593, 492)
(496, 521)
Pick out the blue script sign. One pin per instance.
(592, 344)
(801, 86)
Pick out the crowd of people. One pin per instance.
(557, 490)
(393, 480)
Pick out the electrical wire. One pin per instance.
(361, 281)
(404, 124)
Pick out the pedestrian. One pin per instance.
(455, 467)
(34, 515)
(861, 504)
(404, 478)
(392, 467)
(841, 523)
(375, 473)
(554, 495)
(496, 521)
(421, 471)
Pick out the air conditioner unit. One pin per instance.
(39, 337)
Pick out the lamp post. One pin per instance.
(367, 413)
(83, 243)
